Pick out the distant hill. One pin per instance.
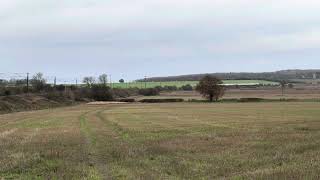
(294, 74)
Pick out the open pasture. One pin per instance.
(163, 141)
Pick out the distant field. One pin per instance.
(163, 141)
(298, 92)
(193, 83)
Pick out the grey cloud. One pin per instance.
(161, 32)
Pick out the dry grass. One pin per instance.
(27, 102)
(163, 141)
(300, 92)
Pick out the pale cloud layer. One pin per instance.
(133, 38)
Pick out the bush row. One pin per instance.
(117, 92)
(95, 92)
(187, 87)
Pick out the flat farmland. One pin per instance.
(265, 92)
(192, 83)
(163, 141)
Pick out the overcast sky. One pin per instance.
(133, 38)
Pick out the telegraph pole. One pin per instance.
(65, 87)
(55, 82)
(110, 81)
(145, 82)
(27, 82)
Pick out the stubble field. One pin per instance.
(163, 141)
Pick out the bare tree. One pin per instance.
(103, 79)
(38, 82)
(211, 88)
(89, 81)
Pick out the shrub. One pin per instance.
(101, 93)
(166, 88)
(250, 99)
(38, 82)
(48, 88)
(60, 87)
(170, 88)
(149, 92)
(127, 100)
(11, 91)
(159, 88)
(81, 94)
(25, 89)
(54, 95)
(123, 93)
(73, 87)
(187, 87)
(290, 85)
(7, 92)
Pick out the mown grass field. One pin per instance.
(163, 141)
(193, 83)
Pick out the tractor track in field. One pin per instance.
(98, 134)
(95, 171)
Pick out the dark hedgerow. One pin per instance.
(149, 92)
(186, 87)
(126, 100)
(101, 93)
(162, 100)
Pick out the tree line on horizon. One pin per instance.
(92, 88)
(209, 86)
(278, 76)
